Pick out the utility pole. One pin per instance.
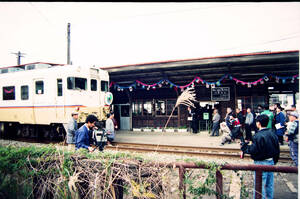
(19, 55)
(68, 50)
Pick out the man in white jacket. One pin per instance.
(110, 128)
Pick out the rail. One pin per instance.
(219, 178)
(217, 152)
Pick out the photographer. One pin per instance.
(82, 135)
(264, 151)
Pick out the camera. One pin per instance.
(100, 138)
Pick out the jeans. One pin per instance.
(215, 128)
(294, 151)
(267, 180)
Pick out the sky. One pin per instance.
(111, 34)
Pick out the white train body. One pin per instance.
(49, 95)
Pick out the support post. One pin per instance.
(182, 187)
(258, 184)
(219, 184)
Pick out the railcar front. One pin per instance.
(39, 103)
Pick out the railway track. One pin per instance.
(206, 152)
(216, 152)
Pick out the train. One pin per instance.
(37, 99)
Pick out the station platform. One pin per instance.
(201, 139)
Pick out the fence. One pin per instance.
(219, 178)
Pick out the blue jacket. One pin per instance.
(280, 118)
(82, 138)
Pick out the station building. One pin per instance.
(145, 94)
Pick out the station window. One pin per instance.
(104, 86)
(8, 93)
(24, 93)
(93, 85)
(157, 107)
(160, 107)
(77, 83)
(147, 108)
(59, 87)
(39, 87)
(170, 105)
(137, 108)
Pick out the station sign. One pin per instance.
(220, 94)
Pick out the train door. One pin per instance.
(125, 116)
(40, 108)
(60, 101)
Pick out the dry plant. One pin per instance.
(187, 98)
(81, 178)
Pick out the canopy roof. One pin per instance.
(245, 67)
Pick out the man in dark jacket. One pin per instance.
(264, 151)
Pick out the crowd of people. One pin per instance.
(238, 126)
(271, 126)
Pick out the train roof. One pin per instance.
(36, 66)
(23, 65)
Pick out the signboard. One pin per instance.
(206, 116)
(220, 94)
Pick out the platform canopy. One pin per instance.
(245, 67)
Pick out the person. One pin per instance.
(293, 108)
(72, 127)
(248, 124)
(227, 117)
(216, 123)
(266, 111)
(280, 124)
(240, 117)
(235, 127)
(82, 135)
(259, 110)
(292, 136)
(264, 150)
(226, 134)
(193, 119)
(110, 128)
(115, 123)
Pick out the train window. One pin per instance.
(75, 83)
(104, 86)
(93, 85)
(39, 87)
(59, 87)
(4, 70)
(9, 93)
(24, 93)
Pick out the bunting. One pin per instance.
(197, 80)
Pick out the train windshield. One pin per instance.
(77, 83)
(104, 86)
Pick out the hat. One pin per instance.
(295, 114)
(74, 113)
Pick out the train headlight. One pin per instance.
(108, 98)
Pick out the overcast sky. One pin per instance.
(110, 34)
